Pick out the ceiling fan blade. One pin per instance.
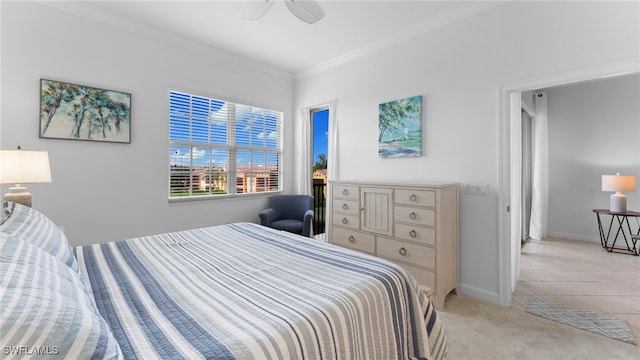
(306, 10)
(255, 10)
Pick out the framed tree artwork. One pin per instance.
(79, 112)
(400, 128)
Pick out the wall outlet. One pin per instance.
(474, 189)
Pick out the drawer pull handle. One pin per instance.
(413, 197)
(345, 192)
(413, 233)
(352, 239)
(413, 216)
(345, 206)
(402, 251)
(345, 221)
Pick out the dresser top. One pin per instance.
(436, 185)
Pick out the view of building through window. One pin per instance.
(219, 147)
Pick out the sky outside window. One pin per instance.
(320, 133)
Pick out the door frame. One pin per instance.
(312, 139)
(509, 105)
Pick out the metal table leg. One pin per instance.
(621, 220)
(603, 241)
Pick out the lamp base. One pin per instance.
(18, 194)
(618, 202)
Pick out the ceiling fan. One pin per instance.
(308, 11)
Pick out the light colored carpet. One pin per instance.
(480, 330)
(595, 322)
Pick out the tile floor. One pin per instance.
(581, 274)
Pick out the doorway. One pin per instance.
(511, 117)
(319, 144)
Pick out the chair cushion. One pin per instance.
(290, 225)
(291, 206)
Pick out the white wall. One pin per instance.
(108, 191)
(594, 129)
(102, 192)
(458, 70)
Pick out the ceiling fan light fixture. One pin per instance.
(255, 10)
(307, 11)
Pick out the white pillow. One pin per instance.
(34, 226)
(46, 309)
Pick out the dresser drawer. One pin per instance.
(345, 191)
(415, 197)
(420, 234)
(354, 240)
(410, 253)
(350, 221)
(346, 206)
(420, 216)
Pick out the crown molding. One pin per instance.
(78, 9)
(444, 19)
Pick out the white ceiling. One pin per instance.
(280, 40)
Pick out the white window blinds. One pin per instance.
(222, 148)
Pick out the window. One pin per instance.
(222, 148)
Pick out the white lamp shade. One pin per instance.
(24, 167)
(619, 183)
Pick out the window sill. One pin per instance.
(198, 199)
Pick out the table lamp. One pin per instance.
(618, 183)
(23, 167)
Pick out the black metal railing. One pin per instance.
(320, 206)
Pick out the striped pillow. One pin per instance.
(34, 226)
(46, 309)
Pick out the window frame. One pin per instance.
(231, 146)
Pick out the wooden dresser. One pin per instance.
(413, 225)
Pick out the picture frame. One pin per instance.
(400, 128)
(80, 112)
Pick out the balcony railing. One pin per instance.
(320, 206)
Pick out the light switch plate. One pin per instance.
(475, 189)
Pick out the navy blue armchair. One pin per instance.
(292, 213)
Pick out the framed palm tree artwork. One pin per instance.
(80, 112)
(400, 128)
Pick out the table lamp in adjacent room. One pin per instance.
(23, 167)
(619, 184)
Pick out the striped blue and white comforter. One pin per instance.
(244, 291)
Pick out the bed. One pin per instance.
(234, 291)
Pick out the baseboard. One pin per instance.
(480, 294)
(574, 236)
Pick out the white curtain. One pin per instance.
(540, 173)
(332, 157)
(515, 128)
(303, 163)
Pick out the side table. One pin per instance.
(622, 218)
